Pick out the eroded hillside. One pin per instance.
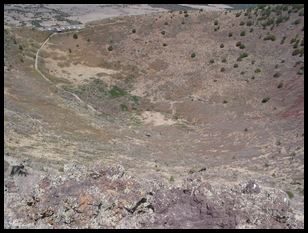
(106, 119)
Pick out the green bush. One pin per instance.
(243, 33)
(298, 51)
(193, 55)
(75, 36)
(290, 194)
(242, 46)
(117, 92)
(20, 47)
(242, 55)
(186, 15)
(257, 70)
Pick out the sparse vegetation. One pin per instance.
(124, 107)
(69, 50)
(242, 55)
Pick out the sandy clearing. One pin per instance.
(155, 118)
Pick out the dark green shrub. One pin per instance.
(123, 107)
(242, 55)
(242, 46)
(290, 194)
(243, 33)
(193, 55)
(257, 70)
(117, 92)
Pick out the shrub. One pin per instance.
(235, 65)
(183, 22)
(238, 44)
(270, 37)
(123, 107)
(20, 47)
(276, 75)
(230, 34)
(222, 45)
(242, 73)
(282, 61)
(116, 92)
(249, 23)
(257, 70)
(171, 179)
(296, 22)
(222, 69)
(242, 46)
(283, 39)
(253, 62)
(242, 33)
(22, 60)
(216, 28)
(290, 194)
(134, 31)
(193, 55)
(242, 55)
(266, 99)
(298, 51)
(211, 61)
(251, 30)
(69, 50)
(224, 60)
(280, 85)
(164, 44)
(166, 23)
(163, 32)
(216, 22)
(110, 48)
(253, 77)
(242, 23)
(238, 14)
(186, 15)
(75, 36)
(225, 102)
